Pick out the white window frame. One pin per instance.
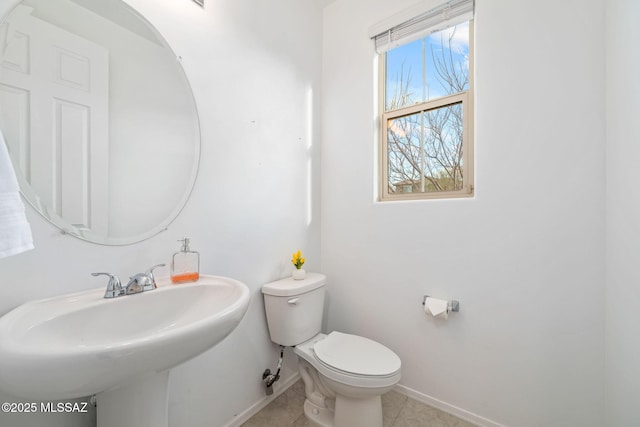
(466, 98)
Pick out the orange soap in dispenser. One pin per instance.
(185, 265)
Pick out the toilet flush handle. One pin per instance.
(293, 301)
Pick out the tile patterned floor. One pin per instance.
(398, 411)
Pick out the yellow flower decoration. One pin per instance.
(297, 259)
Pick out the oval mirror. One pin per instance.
(98, 117)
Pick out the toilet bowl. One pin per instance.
(344, 374)
(352, 373)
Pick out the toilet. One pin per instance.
(344, 375)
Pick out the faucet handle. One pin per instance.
(114, 287)
(152, 280)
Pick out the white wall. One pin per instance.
(623, 214)
(524, 257)
(255, 201)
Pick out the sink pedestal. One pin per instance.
(139, 404)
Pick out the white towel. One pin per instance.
(15, 232)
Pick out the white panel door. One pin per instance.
(54, 96)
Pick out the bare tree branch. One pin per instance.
(428, 145)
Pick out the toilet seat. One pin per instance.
(356, 355)
(352, 360)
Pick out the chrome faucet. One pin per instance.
(114, 287)
(139, 282)
(142, 281)
(152, 280)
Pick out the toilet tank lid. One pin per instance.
(289, 287)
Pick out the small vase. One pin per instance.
(299, 274)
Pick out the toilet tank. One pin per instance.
(294, 308)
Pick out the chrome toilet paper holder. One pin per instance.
(452, 305)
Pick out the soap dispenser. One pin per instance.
(185, 265)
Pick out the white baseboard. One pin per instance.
(244, 416)
(463, 414)
(446, 407)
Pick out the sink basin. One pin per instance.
(82, 344)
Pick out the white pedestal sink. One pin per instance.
(120, 349)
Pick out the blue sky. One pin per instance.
(408, 59)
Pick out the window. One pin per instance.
(426, 105)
